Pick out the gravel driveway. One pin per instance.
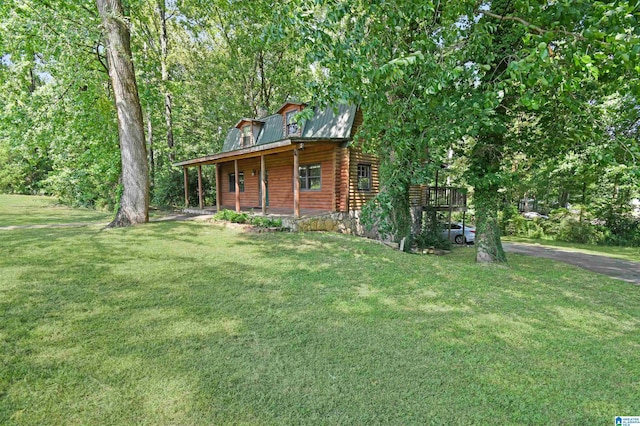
(615, 268)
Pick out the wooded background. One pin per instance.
(517, 99)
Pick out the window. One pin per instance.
(364, 177)
(292, 125)
(310, 177)
(232, 182)
(246, 135)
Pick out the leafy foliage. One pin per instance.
(260, 221)
(57, 126)
(431, 233)
(575, 225)
(490, 81)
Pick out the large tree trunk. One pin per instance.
(488, 245)
(134, 202)
(486, 159)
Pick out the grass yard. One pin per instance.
(626, 253)
(188, 323)
(20, 210)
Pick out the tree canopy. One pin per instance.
(492, 81)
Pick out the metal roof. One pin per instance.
(332, 123)
(329, 123)
(272, 130)
(232, 142)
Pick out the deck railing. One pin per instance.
(445, 197)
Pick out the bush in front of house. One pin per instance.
(430, 235)
(260, 221)
(231, 216)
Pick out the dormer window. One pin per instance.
(246, 135)
(291, 123)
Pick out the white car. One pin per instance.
(534, 215)
(457, 236)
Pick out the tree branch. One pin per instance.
(97, 51)
(530, 26)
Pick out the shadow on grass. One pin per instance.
(183, 323)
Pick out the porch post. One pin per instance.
(218, 188)
(235, 165)
(263, 184)
(296, 184)
(186, 186)
(200, 195)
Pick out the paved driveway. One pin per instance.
(615, 268)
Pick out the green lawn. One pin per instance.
(627, 253)
(20, 210)
(188, 323)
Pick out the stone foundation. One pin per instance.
(344, 223)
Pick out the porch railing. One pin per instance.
(445, 197)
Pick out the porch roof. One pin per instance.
(256, 150)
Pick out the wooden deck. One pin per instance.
(445, 198)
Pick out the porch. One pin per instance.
(297, 179)
(273, 212)
(445, 198)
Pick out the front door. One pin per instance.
(266, 184)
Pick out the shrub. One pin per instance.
(431, 233)
(625, 231)
(260, 221)
(577, 225)
(231, 216)
(573, 231)
(512, 223)
(265, 222)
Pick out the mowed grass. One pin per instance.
(187, 323)
(626, 253)
(21, 210)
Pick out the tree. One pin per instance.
(463, 75)
(134, 202)
(57, 125)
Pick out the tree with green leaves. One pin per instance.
(134, 201)
(57, 122)
(434, 75)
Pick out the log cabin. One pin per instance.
(277, 163)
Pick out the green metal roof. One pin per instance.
(330, 123)
(271, 130)
(232, 142)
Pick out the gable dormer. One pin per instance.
(288, 112)
(249, 131)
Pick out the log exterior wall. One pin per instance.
(417, 195)
(358, 198)
(342, 179)
(355, 198)
(280, 179)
